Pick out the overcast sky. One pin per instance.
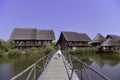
(83, 16)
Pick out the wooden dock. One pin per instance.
(58, 69)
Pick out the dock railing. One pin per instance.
(33, 71)
(83, 70)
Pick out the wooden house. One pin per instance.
(109, 44)
(31, 37)
(98, 40)
(113, 37)
(73, 40)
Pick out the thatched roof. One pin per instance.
(110, 42)
(74, 36)
(23, 34)
(114, 37)
(98, 38)
(32, 34)
(70, 36)
(45, 35)
(84, 37)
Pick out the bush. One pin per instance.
(42, 51)
(14, 52)
(2, 53)
(83, 50)
(48, 47)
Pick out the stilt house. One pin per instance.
(98, 40)
(31, 37)
(113, 37)
(73, 40)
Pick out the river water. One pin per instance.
(107, 64)
(10, 67)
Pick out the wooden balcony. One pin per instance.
(79, 45)
(28, 45)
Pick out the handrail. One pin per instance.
(84, 65)
(33, 68)
(70, 58)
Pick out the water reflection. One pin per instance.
(9, 67)
(110, 70)
(109, 65)
(6, 71)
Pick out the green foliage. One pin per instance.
(32, 51)
(15, 52)
(2, 53)
(8, 47)
(10, 44)
(49, 47)
(26, 52)
(83, 50)
(3, 45)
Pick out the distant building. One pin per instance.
(98, 40)
(31, 37)
(113, 37)
(109, 45)
(73, 40)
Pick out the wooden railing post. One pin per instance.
(32, 69)
(35, 71)
(83, 67)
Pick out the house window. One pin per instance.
(39, 42)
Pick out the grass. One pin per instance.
(85, 53)
(14, 55)
(13, 52)
(89, 50)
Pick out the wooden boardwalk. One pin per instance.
(58, 69)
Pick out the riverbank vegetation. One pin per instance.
(7, 49)
(88, 50)
(93, 52)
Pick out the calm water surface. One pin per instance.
(106, 64)
(9, 67)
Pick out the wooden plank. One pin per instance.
(56, 70)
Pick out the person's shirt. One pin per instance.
(59, 51)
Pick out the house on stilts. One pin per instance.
(113, 37)
(98, 40)
(73, 40)
(31, 37)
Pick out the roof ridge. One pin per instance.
(24, 28)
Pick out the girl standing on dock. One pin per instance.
(59, 53)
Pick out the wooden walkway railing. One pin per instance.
(57, 70)
(84, 71)
(33, 71)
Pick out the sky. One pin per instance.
(82, 16)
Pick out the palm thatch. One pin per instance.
(32, 34)
(114, 37)
(73, 40)
(23, 34)
(98, 39)
(45, 35)
(70, 36)
(110, 43)
(84, 37)
(74, 36)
